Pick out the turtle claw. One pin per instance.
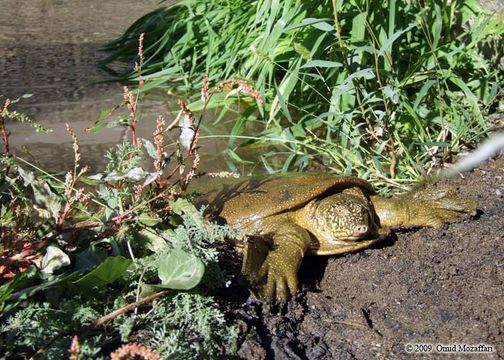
(277, 289)
(271, 266)
(274, 282)
(275, 278)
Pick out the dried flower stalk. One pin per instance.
(130, 101)
(204, 89)
(138, 191)
(3, 130)
(140, 48)
(139, 64)
(159, 142)
(130, 351)
(75, 146)
(74, 349)
(192, 172)
(223, 174)
(243, 87)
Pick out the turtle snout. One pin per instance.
(361, 230)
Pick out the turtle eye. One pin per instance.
(340, 210)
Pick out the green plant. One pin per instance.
(188, 325)
(86, 255)
(384, 90)
(28, 329)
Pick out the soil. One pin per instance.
(422, 286)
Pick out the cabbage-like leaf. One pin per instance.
(180, 270)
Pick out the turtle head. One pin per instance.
(343, 217)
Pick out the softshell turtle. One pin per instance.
(284, 217)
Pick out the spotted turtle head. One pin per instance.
(344, 217)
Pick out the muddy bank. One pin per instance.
(423, 286)
(49, 48)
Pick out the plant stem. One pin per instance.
(336, 23)
(128, 307)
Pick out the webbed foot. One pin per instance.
(281, 278)
(271, 267)
(275, 278)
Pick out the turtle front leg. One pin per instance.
(426, 207)
(271, 262)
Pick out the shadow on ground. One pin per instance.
(426, 286)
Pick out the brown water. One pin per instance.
(49, 48)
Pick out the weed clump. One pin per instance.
(118, 260)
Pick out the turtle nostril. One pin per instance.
(361, 229)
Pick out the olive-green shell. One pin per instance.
(247, 199)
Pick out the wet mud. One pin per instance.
(50, 49)
(423, 286)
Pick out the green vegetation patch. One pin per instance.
(384, 90)
(118, 260)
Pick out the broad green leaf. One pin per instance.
(111, 196)
(184, 206)
(364, 73)
(15, 290)
(423, 91)
(391, 93)
(437, 27)
(306, 22)
(134, 174)
(153, 176)
(42, 194)
(436, 143)
(148, 220)
(180, 270)
(324, 26)
(267, 165)
(151, 240)
(288, 162)
(463, 86)
(238, 128)
(89, 259)
(148, 289)
(298, 131)
(92, 180)
(7, 217)
(358, 27)
(18, 281)
(283, 105)
(388, 43)
(235, 157)
(286, 86)
(107, 272)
